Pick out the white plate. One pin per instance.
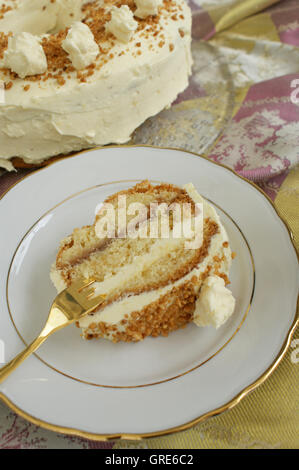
(100, 390)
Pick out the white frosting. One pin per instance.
(122, 24)
(49, 119)
(146, 8)
(25, 55)
(69, 11)
(215, 303)
(7, 165)
(80, 45)
(28, 16)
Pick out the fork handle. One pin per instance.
(12, 365)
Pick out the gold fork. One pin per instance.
(69, 306)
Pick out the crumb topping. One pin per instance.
(95, 16)
(4, 9)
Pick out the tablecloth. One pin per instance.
(241, 109)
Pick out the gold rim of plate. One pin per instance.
(183, 427)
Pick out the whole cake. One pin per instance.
(79, 73)
(155, 278)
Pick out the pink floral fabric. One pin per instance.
(262, 141)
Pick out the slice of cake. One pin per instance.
(159, 254)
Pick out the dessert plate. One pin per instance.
(101, 390)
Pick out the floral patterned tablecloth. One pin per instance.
(241, 109)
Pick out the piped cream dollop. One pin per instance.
(122, 24)
(24, 55)
(80, 45)
(147, 8)
(215, 303)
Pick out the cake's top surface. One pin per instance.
(114, 32)
(69, 82)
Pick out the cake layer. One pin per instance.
(63, 109)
